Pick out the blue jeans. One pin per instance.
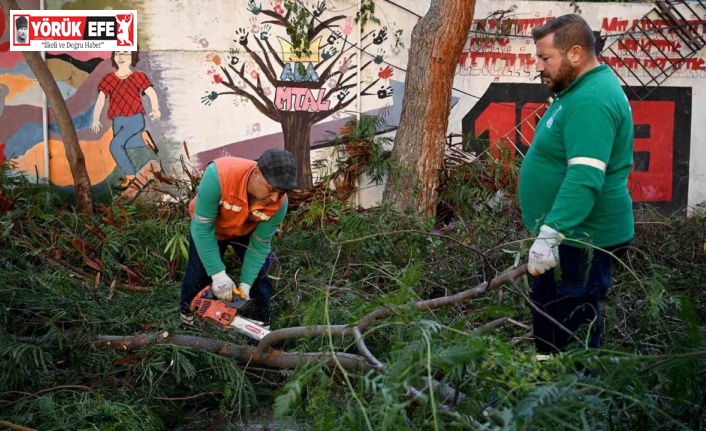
(196, 279)
(572, 296)
(127, 133)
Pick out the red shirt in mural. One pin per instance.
(125, 94)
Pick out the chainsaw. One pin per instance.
(225, 314)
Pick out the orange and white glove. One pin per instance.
(245, 290)
(222, 286)
(544, 253)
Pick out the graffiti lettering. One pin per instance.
(652, 179)
(656, 63)
(496, 64)
(661, 149)
(511, 25)
(300, 99)
(614, 25)
(295, 73)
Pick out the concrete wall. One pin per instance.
(183, 45)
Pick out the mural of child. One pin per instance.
(124, 87)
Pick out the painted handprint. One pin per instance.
(252, 7)
(381, 37)
(199, 40)
(278, 7)
(254, 25)
(234, 60)
(331, 39)
(396, 49)
(385, 73)
(331, 82)
(209, 98)
(368, 76)
(379, 58)
(342, 94)
(384, 92)
(216, 59)
(345, 66)
(347, 26)
(253, 130)
(265, 32)
(242, 35)
(319, 9)
(328, 53)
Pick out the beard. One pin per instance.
(563, 77)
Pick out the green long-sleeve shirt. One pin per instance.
(574, 177)
(203, 230)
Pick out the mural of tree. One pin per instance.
(312, 74)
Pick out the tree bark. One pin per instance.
(296, 128)
(245, 355)
(77, 163)
(437, 41)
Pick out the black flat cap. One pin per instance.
(279, 168)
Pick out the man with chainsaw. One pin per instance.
(573, 185)
(239, 202)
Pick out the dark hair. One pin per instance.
(134, 58)
(569, 30)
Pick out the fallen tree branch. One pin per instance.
(382, 313)
(16, 427)
(245, 355)
(250, 355)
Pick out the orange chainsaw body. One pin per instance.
(209, 308)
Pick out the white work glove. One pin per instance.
(222, 286)
(544, 253)
(245, 289)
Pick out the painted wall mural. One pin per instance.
(132, 147)
(298, 87)
(229, 79)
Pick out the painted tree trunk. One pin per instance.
(296, 128)
(437, 41)
(77, 163)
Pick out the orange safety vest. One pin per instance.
(235, 215)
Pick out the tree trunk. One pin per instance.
(437, 42)
(77, 164)
(296, 128)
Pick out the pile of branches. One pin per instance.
(381, 321)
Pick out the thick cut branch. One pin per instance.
(243, 354)
(15, 427)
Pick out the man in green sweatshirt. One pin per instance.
(573, 185)
(239, 203)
